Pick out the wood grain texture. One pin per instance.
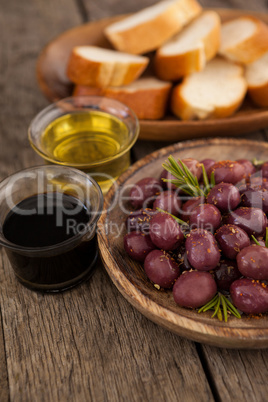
(87, 344)
(237, 375)
(90, 343)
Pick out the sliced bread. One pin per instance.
(257, 79)
(244, 39)
(149, 28)
(217, 91)
(95, 66)
(147, 97)
(189, 50)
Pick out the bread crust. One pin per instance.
(151, 34)
(252, 48)
(175, 66)
(147, 103)
(259, 94)
(83, 71)
(187, 111)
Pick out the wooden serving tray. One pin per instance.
(51, 67)
(129, 276)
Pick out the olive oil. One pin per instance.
(92, 141)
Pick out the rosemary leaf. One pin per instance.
(232, 308)
(184, 178)
(257, 162)
(210, 307)
(219, 314)
(212, 179)
(174, 164)
(218, 301)
(193, 180)
(255, 240)
(217, 306)
(224, 308)
(208, 304)
(180, 221)
(205, 179)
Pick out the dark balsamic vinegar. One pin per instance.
(41, 222)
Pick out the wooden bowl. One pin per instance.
(129, 276)
(51, 67)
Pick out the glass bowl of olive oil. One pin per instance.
(90, 133)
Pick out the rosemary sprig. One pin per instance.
(184, 178)
(180, 221)
(266, 239)
(257, 162)
(221, 306)
(255, 240)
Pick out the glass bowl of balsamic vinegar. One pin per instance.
(48, 217)
(91, 133)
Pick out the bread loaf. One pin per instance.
(257, 80)
(149, 28)
(217, 91)
(95, 66)
(147, 97)
(244, 39)
(189, 50)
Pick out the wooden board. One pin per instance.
(51, 67)
(129, 276)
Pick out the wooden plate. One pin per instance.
(128, 275)
(52, 62)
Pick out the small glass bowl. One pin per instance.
(91, 133)
(62, 265)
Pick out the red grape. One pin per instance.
(139, 220)
(248, 166)
(226, 273)
(161, 268)
(255, 198)
(264, 170)
(205, 216)
(202, 250)
(251, 220)
(189, 206)
(138, 245)
(227, 171)
(168, 201)
(225, 196)
(165, 232)
(194, 289)
(167, 184)
(144, 192)
(249, 296)
(252, 262)
(232, 239)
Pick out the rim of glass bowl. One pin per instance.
(92, 222)
(133, 138)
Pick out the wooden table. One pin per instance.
(90, 344)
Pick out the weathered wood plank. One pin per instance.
(238, 375)
(25, 28)
(89, 343)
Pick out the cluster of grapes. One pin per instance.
(200, 229)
